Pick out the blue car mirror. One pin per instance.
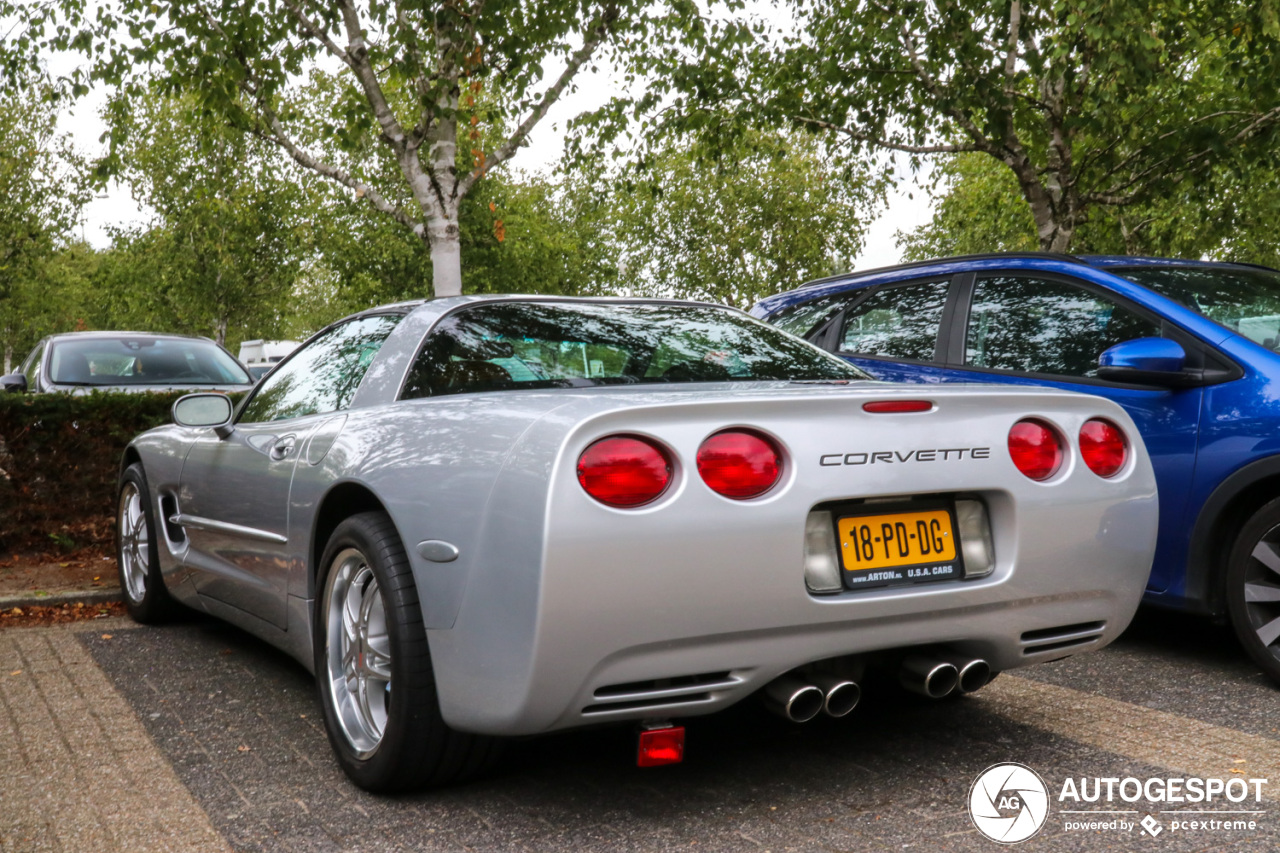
(1148, 361)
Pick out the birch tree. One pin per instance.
(1088, 104)
(417, 66)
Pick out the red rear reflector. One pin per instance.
(739, 464)
(624, 470)
(1035, 449)
(883, 407)
(1103, 446)
(661, 746)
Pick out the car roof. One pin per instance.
(1096, 261)
(110, 335)
(1105, 261)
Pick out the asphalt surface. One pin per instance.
(238, 758)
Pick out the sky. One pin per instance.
(908, 206)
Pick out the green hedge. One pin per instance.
(59, 461)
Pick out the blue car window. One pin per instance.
(802, 319)
(1246, 301)
(324, 374)
(1033, 325)
(896, 322)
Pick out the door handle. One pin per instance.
(283, 447)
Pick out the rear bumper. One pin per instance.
(679, 622)
(575, 613)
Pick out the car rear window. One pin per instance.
(1246, 301)
(143, 360)
(510, 345)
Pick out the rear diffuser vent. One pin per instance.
(676, 690)
(1063, 637)
(707, 679)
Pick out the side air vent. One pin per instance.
(675, 690)
(168, 509)
(1063, 637)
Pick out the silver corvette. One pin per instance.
(479, 517)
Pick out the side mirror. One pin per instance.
(1148, 361)
(14, 382)
(204, 410)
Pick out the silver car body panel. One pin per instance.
(558, 611)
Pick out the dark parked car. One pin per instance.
(1188, 348)
(78, 362)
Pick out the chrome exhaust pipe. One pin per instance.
(840, 694)
(928, 676)
(972, 673)
(797, 700)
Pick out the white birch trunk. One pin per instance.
(446, 260)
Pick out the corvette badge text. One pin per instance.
(947, 454)
(1010, 803)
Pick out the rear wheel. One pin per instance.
(1253, 588)
(373, 666)
(145, 595)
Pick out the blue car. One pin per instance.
(1188, 348)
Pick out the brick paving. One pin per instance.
(195, 736)
(77, 769)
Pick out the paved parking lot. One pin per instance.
(198, 737)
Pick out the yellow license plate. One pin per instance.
(896, 539)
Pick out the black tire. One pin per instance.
(386, 738)
(1253, 588)
(137, 563)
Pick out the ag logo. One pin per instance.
(1008, 803)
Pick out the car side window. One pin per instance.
(323, 375)
(1034, 325)
(31, 367)
(896, 322)
(804, 318)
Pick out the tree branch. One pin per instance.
(318, 34)
(507, 150)
(358, 50)
(936, 90)
(276, 134)
(880, 142)
(1011, 53)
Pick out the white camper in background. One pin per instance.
(260, 356)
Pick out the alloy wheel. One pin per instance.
(357, 651)
(135, 545)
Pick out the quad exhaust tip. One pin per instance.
(841, 695)
(928, 676)
(797, 700)
(973, 675)
(800, 699)
(939, 676)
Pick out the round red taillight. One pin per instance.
(624, 470)
(1035, 449)
(739, 464)
(1103, 447)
